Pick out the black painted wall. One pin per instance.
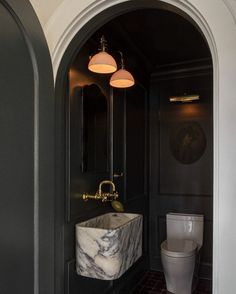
(138, 148)
(111, 117)
(80, 177)
(177, 184)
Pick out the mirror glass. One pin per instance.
(94, 130)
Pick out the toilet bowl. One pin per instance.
(178, 260)
(180, 252)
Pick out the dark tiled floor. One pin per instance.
(154, 283)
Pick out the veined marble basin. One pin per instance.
(108, 245)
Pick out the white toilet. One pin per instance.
(180, 252)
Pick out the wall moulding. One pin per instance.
(62, 28)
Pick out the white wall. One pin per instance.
(218, 17)
(45, 9)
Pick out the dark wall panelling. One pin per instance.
(119, 141)
(86, 121)
(129, 127)
(126, 282)
(86, 285)
(182, 181)
(123, 153)
(157, 235)
(135, 141)
(134, 181)
(87, 133)
(130, 106)
(177, 121)
(130, 150)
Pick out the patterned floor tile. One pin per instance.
(154, 283)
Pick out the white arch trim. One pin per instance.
(218, 25)
(71, 16)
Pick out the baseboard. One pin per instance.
(155, 263)
(205, 271)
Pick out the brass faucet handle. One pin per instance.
(85, 197)
(115, 195)
(108, 196)
(105, 197)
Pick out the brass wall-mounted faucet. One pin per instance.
(103, 196)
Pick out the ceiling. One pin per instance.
(153, 38)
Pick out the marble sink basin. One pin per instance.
(108, 245)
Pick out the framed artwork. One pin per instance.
(186, 149)
(187, 142)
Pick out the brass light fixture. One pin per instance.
(184, 98)
(122, 78)
(102, 62)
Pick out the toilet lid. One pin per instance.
(179, 248)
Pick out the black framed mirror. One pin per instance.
(94, 139)
(89, 131)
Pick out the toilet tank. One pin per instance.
(185, 226)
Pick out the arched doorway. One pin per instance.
(71, 52)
